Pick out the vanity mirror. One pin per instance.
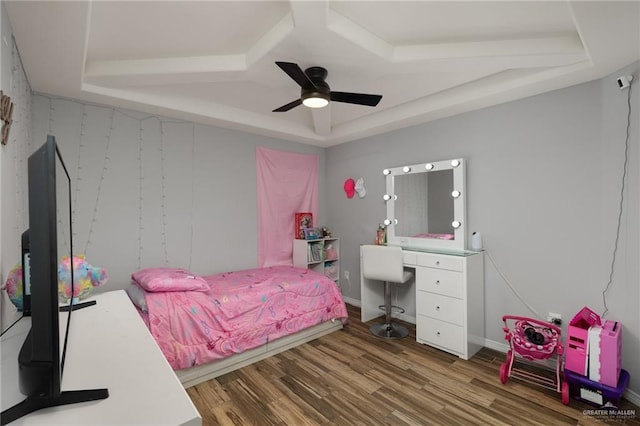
(426, 205)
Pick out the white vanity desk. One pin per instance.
(426, 216)
(449, 299)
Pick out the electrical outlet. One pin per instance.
(346, 275)
(554, 318)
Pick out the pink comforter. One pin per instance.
(242, 310)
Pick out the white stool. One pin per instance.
(384, 263)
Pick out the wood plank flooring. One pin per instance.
(353, 378)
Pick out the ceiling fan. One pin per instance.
(315, 92)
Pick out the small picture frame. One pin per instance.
(311, 234)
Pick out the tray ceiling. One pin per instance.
(212, 62)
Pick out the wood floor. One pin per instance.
(352, 378)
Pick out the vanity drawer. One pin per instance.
(409, 257)
(453, 263)
(442, 308)
(440, 334)
(440, 281)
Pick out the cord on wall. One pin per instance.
(513, 288)
(620, 206)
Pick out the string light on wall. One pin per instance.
(21, 132)
(79, 165)
(105, 166)
(60, 224)
(51, 110)
(193, 164)
(141, 199)
(86, 175)
(164, 196)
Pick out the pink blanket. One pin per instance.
(242, 310)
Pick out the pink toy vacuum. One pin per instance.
(533, 340)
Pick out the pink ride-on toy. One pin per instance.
(534, 340)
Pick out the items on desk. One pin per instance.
(381, 235)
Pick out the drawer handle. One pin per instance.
(437, 262)
(438, 333)
(437, 282)
(437, 308)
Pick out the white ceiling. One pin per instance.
(212, 62)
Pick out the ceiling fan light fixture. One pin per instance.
(315, 100)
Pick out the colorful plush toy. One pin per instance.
(13, 286)
(85, 276)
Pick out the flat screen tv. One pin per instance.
(41, 358)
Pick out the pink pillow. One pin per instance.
(169, 279)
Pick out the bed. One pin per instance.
(211, 325)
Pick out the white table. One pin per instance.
(109, 347)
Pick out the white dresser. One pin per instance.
(449, 300)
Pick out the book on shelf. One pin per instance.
(302, 220)
(315, 252)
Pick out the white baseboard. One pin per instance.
(629, 395)
(352, 302)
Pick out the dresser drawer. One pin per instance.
(408, 257)
(440, 281)
(440, 334)
(440, 261)
(440, 307)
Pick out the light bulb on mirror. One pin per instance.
(455, 194)
(456, 224)
(455, 163)
(386, 172)
(387, 222)
(386, 197)
(406, 169)
(428, 166)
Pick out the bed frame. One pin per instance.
(201, 373)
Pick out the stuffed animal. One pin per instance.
(13, 286)
(85, 278)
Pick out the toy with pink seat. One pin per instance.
(533, 340)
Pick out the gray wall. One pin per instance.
(197, 185)
(12, 164)
(543, 187)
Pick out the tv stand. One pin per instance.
(35, 403)
(77, 306)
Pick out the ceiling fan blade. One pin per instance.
(288, 106)
(296, 73)
(356, 98)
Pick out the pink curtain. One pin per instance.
(287, 183)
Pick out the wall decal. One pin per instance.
(6, 112)
(349, 187)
